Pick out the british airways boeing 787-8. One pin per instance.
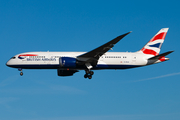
(68, 63)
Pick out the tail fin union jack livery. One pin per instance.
(68, 63)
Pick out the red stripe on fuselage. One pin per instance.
(28, 55)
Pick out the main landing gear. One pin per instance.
(21, 73)
(88, 74)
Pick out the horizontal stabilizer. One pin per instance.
(160, 55)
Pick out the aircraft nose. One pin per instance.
(8, 63)
(11, 62)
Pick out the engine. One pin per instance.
(66, 72)
(67, 62)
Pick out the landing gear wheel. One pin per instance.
(85, 76)
(87, 72)
(21, 73)
(91, 72)
(90, 76)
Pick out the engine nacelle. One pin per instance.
(67, 62)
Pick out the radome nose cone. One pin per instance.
(7, 64)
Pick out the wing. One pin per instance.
(93, 56)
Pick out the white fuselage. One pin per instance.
(50, 60)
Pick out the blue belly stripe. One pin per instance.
(56, 66)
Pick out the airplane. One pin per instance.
(68, 63)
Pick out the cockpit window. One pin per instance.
(13, 57)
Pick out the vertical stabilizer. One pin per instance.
(153, 47)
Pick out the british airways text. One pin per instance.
(41, 59)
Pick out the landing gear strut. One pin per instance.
(21, 73)
(88, 74)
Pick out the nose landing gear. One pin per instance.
(21, 73)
